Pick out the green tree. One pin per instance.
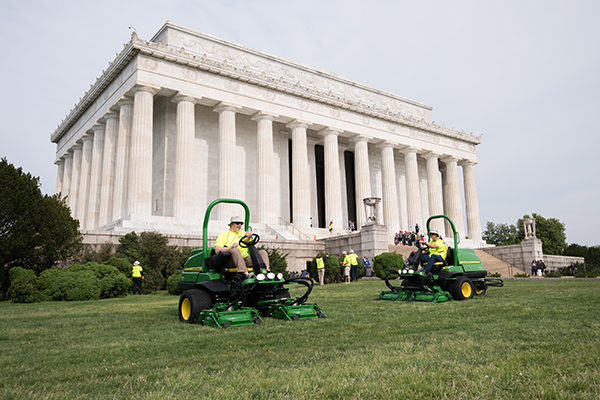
(500, 234)
(36, 231)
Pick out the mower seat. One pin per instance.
(222, 259)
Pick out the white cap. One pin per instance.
(434, 232)
(343, 252)
(136, 263)
(236, 218)
(351, 251)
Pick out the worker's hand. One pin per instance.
(248, 233)
(234, 245)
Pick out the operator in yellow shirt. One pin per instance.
(136, 274)
(353, 266)
(229, 241)
(437, 250)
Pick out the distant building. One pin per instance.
(178, 121)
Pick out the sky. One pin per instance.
(525, 74)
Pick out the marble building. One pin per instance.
(184, 118)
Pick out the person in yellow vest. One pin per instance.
(320, 268)
(137, 273)
(346, 265)
(229, 241)
(437, 250)
(353, 266)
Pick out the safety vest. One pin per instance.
(353, 259)
(320, 263)
(227, 238)
(441, 249)
(136, 271)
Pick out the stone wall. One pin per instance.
(555, 262)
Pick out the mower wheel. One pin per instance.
(480, 288)
(461, 288)
(191, 303)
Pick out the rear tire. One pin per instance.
(461, 288)
(191, 303)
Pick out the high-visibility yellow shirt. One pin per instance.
(227, 238)
(353, 259)
(136, 271)
(320, 263)
(441, 249)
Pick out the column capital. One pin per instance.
(125, 101)
(145, 87)
(87, 137)
(467, 163)
(111, 115)
(360, 138)
(329, 131)
(263, 115)
(60, 161)
(386, 144)
(185, 97)
(409, 149)
(297, 124)
(448, 158)
(219, 108)
(99, 126)
(430, 154)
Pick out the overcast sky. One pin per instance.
(523, 73)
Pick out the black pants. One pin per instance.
(137, 285)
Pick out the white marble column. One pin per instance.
(389, 201)
(265, 168)
(107, 184)
(95, 176)
(300, 176)
(227, 155)
(471, 202)
(413, 188)
(84, 180)
(74, 186)
(453, 195)
(333, 186)
(121, 192)
(140, 171)
(183, 197)
(362, 176)
(60, 163)
(68, 171)
(434, 191)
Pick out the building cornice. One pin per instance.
(243, 73)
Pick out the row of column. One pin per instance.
(107, 175)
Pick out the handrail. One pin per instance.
(286, 224)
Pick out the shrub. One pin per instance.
(277, 261)
(385, 261)
(553, 274)
(521, 275)
(122, 264)
(494, 275)
(23, 286)
(172, 287)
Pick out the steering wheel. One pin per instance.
(421, 245)
(254, 239)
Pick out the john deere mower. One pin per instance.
(459, 277)
(215, 295)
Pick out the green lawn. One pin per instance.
(532, 339)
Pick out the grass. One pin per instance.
(530, 339)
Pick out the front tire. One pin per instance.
(191, 303)
(462, 288)
(480, 288)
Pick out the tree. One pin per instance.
(36, 231)
(500, 234)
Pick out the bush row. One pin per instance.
(78, 282)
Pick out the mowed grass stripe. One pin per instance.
(530, 339)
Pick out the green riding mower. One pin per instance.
(216, 295)
(459, 277)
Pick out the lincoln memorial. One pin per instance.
(185, 118)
